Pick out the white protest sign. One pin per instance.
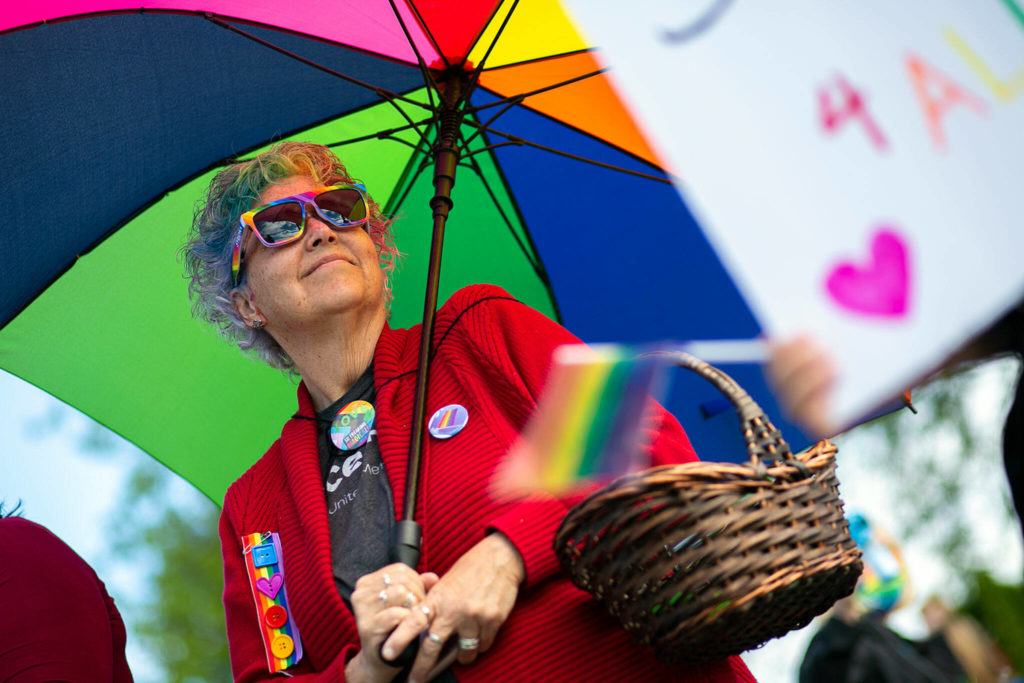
(858, 166)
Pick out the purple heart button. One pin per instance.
(271, 586)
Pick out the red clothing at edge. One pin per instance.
(60, 624)
(491, 356)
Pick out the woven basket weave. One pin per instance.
(707, 560)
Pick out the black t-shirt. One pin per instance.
(360, 507)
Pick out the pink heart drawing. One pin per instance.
(271, 586)
(882, 287)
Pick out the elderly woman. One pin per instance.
(289, 258)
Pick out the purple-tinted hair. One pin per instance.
(207, 252)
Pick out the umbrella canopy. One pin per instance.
(115, 118)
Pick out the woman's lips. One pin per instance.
(324, 260)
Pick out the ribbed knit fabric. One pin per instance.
(491, 356)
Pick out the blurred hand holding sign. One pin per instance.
(857, 166)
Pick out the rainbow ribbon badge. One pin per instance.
(265, 564)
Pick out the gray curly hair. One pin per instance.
(208, 249)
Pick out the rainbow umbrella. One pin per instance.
(115, 117)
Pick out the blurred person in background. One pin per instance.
(59, 622)
(854, 645)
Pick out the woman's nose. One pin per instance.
(318, 230)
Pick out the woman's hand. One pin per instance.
(381, 601)
(803, 376)
(469, 603)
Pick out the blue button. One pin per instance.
(262, 555)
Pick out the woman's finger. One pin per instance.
(468, 643)
(439, 632)
(415, 621)
(446, 660)
(803, 376)
(392, 585)
(385, 621)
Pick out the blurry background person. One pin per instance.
(975, 651)
(854, 645)
(59, 622)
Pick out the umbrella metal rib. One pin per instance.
(513, 100)
(513, 140)
(530, 253)
(475, 76)
(428, 77)
(383, 93)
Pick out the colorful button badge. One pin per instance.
(448, 421)
(264, 563)
(276, 616)
(351, 426)
(282, 646)
(263, 555)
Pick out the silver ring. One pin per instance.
(434, 638)
(426, 610)
(383, 595)
(387, 580)
(409, 599)
(469, 643)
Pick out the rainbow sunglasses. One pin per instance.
(284, 221)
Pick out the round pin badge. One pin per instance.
(448, 421)
(351, 426)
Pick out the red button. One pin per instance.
(276, 616)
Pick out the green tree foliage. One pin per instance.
(1000, 608)
(174, 529)
(166, 531)
(942, 459)
(939, 456)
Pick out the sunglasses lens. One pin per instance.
(343, 206)
(279, 223)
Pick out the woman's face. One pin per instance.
(326, 271)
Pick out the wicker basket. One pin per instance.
(706, 560)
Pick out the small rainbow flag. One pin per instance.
(265, 564)
(587, 420)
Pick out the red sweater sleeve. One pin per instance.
(245, 642)
(517, 342)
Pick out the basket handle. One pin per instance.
(764, 441)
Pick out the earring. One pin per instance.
(257, 324)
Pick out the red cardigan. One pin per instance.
(491, 356)
(59, 623)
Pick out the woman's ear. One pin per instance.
(244, 306)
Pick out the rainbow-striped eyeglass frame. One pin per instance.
(284, 221)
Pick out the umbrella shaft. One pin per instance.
(446, 159)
